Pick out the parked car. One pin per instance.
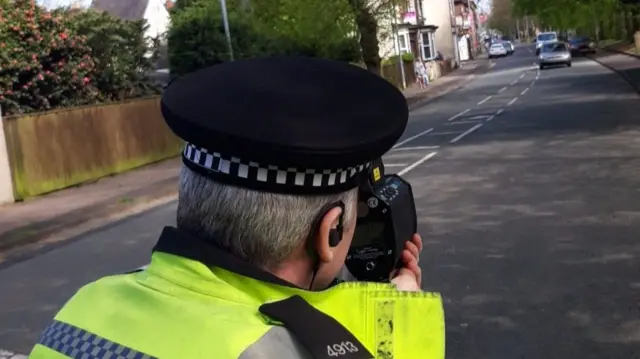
(554, 53)
(582, 45)
(545, 38)
(508, 45)
(497, 50)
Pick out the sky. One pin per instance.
(52, 4)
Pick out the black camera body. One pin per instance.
(386, 220)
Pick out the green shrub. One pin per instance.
(43, 64)
(406, 57)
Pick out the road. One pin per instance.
(526, 186)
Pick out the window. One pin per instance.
(428, 46)
(403, 45)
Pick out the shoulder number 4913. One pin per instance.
(336, 350)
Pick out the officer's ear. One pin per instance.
(329, 233)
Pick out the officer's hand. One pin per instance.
(409, 277)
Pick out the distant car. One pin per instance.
(554, 53)
(509, 47)
(544, 38)
(582, 45)
(497, 50)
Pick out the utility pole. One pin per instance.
(225, 22)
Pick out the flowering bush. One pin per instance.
(43, 65)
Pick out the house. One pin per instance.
(155, 12)
(466, 29)
(427, 28)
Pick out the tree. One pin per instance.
(123, 56)
(320, 28)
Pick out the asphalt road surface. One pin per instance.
(526, 185)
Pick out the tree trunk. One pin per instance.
(368, 27)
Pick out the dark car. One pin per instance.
(581, 45)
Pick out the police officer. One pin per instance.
(275, 150)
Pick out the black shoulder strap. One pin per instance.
(323, 336)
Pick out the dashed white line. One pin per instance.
(514, 82)
(416, 148)
(503, 89)
(485, 100)
(512, 101)
(396, 164)
(458, 115)
(490, 118)
(417, 163)
(521, 76)
(461, 136)
(412, 138)
(524, 91)
(499, 111)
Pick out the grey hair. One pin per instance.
(259, 227)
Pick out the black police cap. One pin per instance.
(285, 124)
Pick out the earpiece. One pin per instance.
(335, 236)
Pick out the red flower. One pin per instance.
(86, 80)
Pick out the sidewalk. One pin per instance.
(445, 84)
(626, 65)
(35, 223)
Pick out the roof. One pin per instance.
(124, 9)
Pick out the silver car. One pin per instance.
(554, 53)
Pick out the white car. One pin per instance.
(497, 50)
(545, 38)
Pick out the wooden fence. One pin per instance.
(54, 150)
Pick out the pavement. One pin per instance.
(627, 65)
(526, 188)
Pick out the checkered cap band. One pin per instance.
(268, 174)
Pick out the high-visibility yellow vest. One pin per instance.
(180, 308)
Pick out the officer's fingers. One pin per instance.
(413, 266)
(413, 249)
(417, 240)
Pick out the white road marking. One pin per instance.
(512, 101)
(479, 117)
(412, 138)
(538, 74)
(531, 51)
(514, 82)
(499, 112)
(416, 148)
(485, 100)
(445, 133)
(396, 164)
(503, 89)
(490, 118)
(524, 91)
(521, 76)
(5, 354)
(417, 163)
(466, 133)
(462, 122)
(458, 115)
(492, 64)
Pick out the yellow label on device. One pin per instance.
(376, 174)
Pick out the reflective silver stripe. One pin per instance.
(77, 343)
(276, 343)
